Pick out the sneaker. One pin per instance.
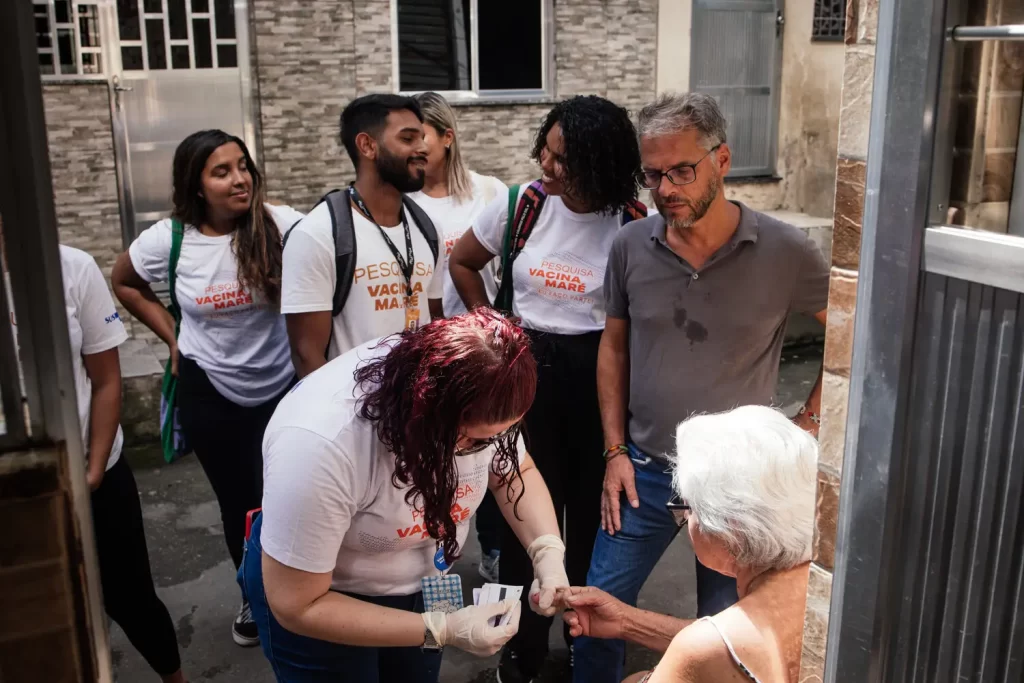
(489, 566)
(243, 630)
(508, 668)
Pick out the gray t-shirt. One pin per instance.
(708, 340)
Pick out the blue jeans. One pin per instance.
(298, 659)
(622, 563)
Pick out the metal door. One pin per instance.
(929, 573)
(184, 66)
(736, 52)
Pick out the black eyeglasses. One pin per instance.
(683, 174)
(678, 508)
(482, 444)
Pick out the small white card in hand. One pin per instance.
(492, 593)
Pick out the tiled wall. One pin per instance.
(314, 56)
(858, 73)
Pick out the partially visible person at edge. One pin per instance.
(744, 489)
(697, 299)
(453, 197)
(587, 150)
(231, 358)
(384, 137)
(95, 331)
(375, 465)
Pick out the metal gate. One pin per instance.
(736, 53)
(184, 66)
(929, 580)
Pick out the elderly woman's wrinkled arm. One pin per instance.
(594, 613)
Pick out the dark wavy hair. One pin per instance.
(475, 368)
(256, 240)
(602, 157)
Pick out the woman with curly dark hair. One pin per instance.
(374, 465)
(553, 238)
(231, 355)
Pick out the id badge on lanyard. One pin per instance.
(412, 315)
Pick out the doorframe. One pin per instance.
(897, 204)
(250, 105)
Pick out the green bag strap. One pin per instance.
(177, 236)
(506, 249)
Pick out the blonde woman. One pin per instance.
(453, 197)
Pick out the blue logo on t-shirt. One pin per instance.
(111, 318)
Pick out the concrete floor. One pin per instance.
(196, 579)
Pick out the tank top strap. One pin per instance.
(732, 653)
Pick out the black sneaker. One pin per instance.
(508, 668)
(243, 631)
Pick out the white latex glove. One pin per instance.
(470, 628)
(548, 555)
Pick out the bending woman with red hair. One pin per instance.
(373, 466)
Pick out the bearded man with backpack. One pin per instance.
(359, 266)
(553, 237)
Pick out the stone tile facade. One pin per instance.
(84, 174)
(855, 112)
(313, 58)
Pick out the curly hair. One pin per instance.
(602, 157)
(256, 240)
(475, 368)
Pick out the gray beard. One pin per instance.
(700, 207)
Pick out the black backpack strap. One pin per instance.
(425, 225)
(344, 246)
(284, 240)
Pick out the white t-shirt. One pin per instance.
(94, 326)
(234, 335)
(452, 219)
(376, 303)
(558, 278)
(329, 504)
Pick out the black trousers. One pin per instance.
(228, 441)
(488, 524)
(128, 593)
(565, 439)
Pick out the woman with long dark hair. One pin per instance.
(374, 466)
(554, 250)
(231, 357)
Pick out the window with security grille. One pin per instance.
(156, 35)
(472, 48)
(68, 38)
(829, 20)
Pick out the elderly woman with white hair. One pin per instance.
(745, 484)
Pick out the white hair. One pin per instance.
(749, 476)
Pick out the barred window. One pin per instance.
(469, 49)
(829, 20)
(177, 34)
(68, 38)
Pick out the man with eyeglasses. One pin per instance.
(697, 299)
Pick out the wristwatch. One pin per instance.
(429, 642)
